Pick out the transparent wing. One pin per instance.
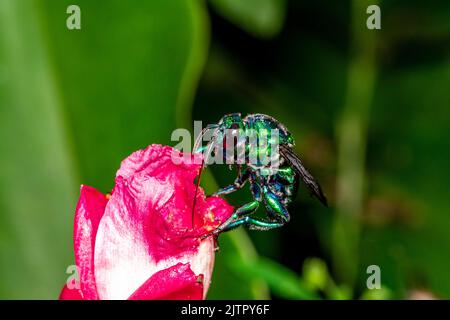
(288, 154)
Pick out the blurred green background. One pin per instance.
(369, 110)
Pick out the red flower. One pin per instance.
(139, 242)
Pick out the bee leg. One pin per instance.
(238, 215)
(238, 183)
(275, 209)
(216, 243)
(254, 224)
(226, 190)
(262, 225)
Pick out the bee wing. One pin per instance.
(308, 179)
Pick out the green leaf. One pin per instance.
(282, 281)
(123, 75)
(377, 294)
(38, 183)
(261, 18)
(73, 104)
(315, 273)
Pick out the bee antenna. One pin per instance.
(196, 190)
(206, 155)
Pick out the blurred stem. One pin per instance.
(284, 282)
(248, 255)
(351, 133)
(242, 244)
(195, 62)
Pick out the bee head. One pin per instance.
(231, 121)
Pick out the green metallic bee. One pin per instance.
(274, 188)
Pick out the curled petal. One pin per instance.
(90, 209)
(70, 294)
(178, 282)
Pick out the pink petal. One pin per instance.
(147, 225)
(70, 294)
(174, 283)
(90, 209)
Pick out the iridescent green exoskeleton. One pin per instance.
(274, 188)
